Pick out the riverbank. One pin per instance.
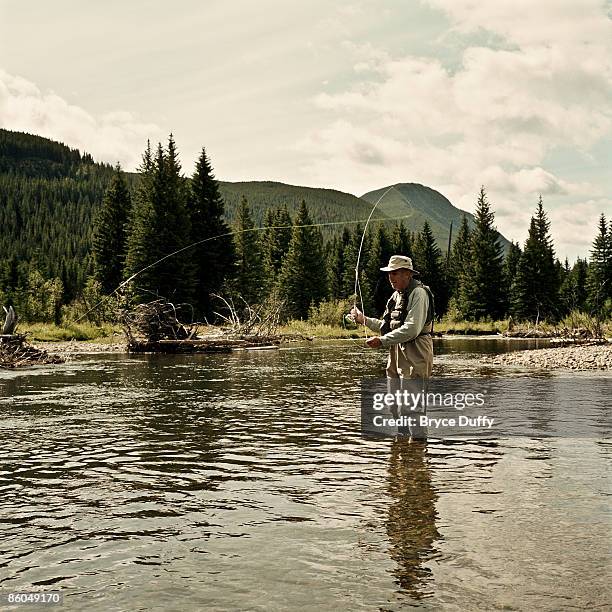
(574, 357)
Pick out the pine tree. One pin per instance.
(351, 253)
(535, 291)
(459, 258)
(481, 291)
(303, 280)
(250, 280)
(276, 240)
(141, 244)
(160, 226)
(378, 283)
(599, 281)
(336, 264)
(214, 257)
(109, 234)
(402, 240)
(573, 291)
(428, 261)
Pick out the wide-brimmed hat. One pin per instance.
(398, 262)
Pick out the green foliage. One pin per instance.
(40, 299)
(109, 233)
(329, 312)
(336, 264)
(92, 306)
(481, 283)
(303, 280)
(249, 279)
(459, 258)
(402, 240)
(379, 288)
(428, 261)
(573, 292)
(160, 225)
(535, 291)
(214, 257)
(275, 241)
(599, 280)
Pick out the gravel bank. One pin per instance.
(575, 357)
(81, 346)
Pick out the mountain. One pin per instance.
(417, 204)
(325, 205)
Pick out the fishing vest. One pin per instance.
(397, 308)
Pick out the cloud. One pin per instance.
(115, 136)
(493, 118)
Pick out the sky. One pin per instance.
(354, 95)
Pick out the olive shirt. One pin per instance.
(414, 324)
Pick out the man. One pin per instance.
(405, 328)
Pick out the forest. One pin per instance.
(73, 231)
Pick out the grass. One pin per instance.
(48, 332)
(319, 330)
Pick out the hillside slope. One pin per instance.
(418, 204)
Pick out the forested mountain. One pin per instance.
(325, 205)
(47, 195)
(418, 204)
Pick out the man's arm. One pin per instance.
(415, 320)
(373, 324)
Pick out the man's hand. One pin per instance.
(357, 316)
(374, 342)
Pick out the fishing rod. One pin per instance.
(224, 235)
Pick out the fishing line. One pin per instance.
(226, 234)
(357, 283)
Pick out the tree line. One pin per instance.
(171, 234)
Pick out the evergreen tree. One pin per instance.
(336, 264)
(428, 261)
(160, 225)
(380, 252)
(535, 291)
(402, 240)
(573, 292)
(276, 240)
(303, 280)
(109, 234)
(599, 281)
(460, 256)
(214, 257)
(250, 280)
(481, 291)
(351, 252)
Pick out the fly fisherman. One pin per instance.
(405, 328)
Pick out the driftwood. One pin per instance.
(155, 328)
(17, 352)
(155, 321)
(10, 323)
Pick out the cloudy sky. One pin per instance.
(354, 95)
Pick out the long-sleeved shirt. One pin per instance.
(416, 316)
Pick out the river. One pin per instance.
(242, 482)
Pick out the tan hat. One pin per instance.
(398, 262)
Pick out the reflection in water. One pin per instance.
(411, 523)
(243, 482)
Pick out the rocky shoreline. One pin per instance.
(82, 346)
(574, 357)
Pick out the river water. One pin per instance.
(242, 482)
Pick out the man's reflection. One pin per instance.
(411, 524)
